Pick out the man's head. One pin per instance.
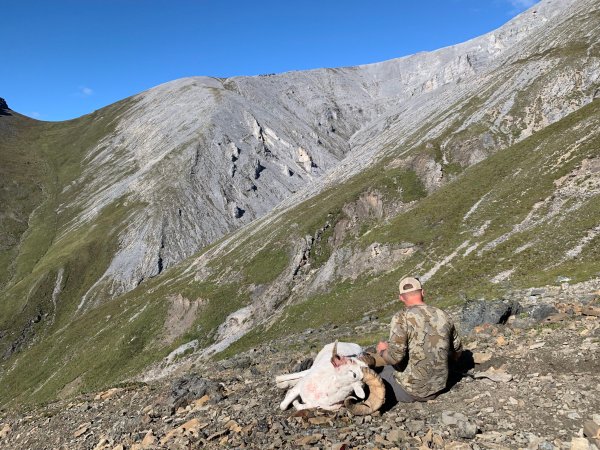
(411, 291)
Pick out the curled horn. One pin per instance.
(376, 395)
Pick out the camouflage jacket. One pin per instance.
(421, 339)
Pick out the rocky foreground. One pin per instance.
(530, 382)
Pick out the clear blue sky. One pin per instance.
(64, 58)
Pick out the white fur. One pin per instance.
(324, 385)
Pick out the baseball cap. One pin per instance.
(409, 284)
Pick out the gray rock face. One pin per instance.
(3, 104)
(206, 156)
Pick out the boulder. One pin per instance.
(478, 312)
(190, 387)
(541, 311)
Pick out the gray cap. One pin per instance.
(409, 284)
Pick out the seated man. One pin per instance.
(422, 339)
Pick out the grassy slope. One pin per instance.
(106, 345)
(436, 224)
(23, 181)
(117, 340)
(39, 160)
(122, 336)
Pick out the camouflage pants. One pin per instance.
(392, 385)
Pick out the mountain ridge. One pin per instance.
(204, 216)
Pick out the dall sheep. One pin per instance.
(336, 373)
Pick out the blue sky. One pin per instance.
(65, 58)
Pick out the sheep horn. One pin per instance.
(334, 356)
(376, 395)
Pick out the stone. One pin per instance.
(318, 420)
(107, 394)
(396, 435)
(233, 426)
(541, 311)
(148, 440)
(3, 104)
(198, 403)
(452, 418)
(4, 431)
(82, 429)
(497, 375)
(415, 426)
(478, 312)
(590, 311)
(591, 430)
(481, 357)
(579, 444)
(305, 364)
(381, 440)
(466, 430)
(501, 341)
(339, 446)
(455, 445)
(216, 435)
(191, 427)
(537, 345)
(190, 387)
(309, 440)
(102, 443)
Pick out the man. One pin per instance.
(422, 339)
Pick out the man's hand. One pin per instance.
(382, 346)
(368, 359)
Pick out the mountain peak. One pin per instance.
(3, 104)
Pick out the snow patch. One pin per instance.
(523, 247)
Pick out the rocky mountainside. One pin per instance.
(209, 216)
(529, 383)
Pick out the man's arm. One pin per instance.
(456, 345)
(396, 348)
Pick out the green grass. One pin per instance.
(400, 183)
(266, 265)
(436, 224)
(119, 337)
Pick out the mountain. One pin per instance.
(211, 215)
